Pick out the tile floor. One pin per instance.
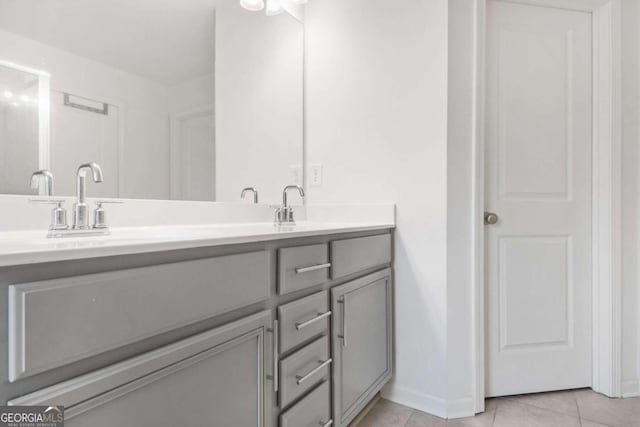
(576, 408)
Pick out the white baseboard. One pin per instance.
(461, 408)
(631, 388)
(434, 405)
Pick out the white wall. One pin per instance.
(376, 120)
(190, 94)
(259, 99)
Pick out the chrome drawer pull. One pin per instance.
(303, 378)
(302, 325)
(301, 270)
(327, 424)
(276, 344)
(343, 336)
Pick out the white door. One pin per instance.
(193, 156)
(538, 181)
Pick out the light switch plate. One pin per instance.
(295, 174)
(315, 178)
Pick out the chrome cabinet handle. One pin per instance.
(302, 325)
(327, 424)
(343, 336)
(276, 344)
(301, 270)
(302, 378)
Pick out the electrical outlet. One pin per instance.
(295, 174)
(315, 178)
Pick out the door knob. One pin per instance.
(490, 218)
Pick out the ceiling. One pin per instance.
(165, 40)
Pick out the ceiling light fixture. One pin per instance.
(252, 5)
(8, 94)
(274, 7)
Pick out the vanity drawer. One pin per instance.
(353, 255)
(302, 267)
(312, 411)
(303, 319)
(303, 370)
(55, 322)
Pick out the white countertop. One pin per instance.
(30, 247)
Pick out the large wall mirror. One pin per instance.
(186, 100)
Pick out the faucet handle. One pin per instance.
(47, 200)
(58, 214)
(284, 215)
(100, 215)
(99, 203)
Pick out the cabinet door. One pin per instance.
(362, 340)
(213, 379)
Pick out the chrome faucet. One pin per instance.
(252, 189)
(81, 227)
(284, 214)
(44, 177)
(81, 208)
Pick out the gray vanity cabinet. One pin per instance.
(218, 378)
(286, 334)
(362, 343)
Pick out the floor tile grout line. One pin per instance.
(597, 422)
(406, 423)
(585, 418)
(495, 414)
(575, 399)
(543, 408)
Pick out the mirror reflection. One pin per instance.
(188, 100)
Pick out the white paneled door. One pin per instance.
(538, 182)
(193, 155)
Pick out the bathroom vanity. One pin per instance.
(292, 328)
